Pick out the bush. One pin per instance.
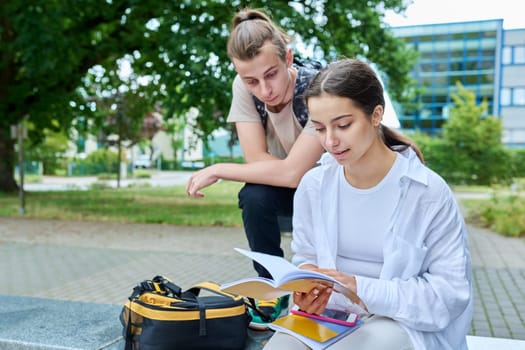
(141, 174)
(198, 163)
(32, 178)
(517, 162)
(460, 166)
(169, 165)
(209, 160)
(106, 176)
(503, 213)
(98, 162)
(99, 185)
(439, 158)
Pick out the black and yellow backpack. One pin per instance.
(160, 316)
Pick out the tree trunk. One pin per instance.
(7, 156)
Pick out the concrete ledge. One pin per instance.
(28, 323)
(486, 343)
(46, 324)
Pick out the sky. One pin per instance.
(444, 11)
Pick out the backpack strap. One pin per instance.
(305, 74)
(305, 71)
(251, 304)
(213, 288)
(159, 285)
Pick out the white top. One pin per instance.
(364, 215)
(282, 129)
(425, 283)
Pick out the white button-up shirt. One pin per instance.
(425, 282)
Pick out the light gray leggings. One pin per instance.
(375, 333)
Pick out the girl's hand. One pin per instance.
(349, 282)
(313, 302)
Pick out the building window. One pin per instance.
(518, 97)
(507, 55)
(505, 97)
(519, 54)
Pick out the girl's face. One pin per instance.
(344, 130)
(267, 76)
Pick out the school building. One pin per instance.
(481, 55)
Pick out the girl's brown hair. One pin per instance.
(250, 30)
(356, 80)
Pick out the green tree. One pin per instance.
(470, 149)
(176, 47)
(46, 48)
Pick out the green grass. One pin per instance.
(167, 205)
(502, 212)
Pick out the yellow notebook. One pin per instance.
(314, 333)
(306, 327)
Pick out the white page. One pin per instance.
(280, 267)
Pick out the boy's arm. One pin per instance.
(252, 139)
(261, 167)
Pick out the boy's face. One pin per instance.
(267, 76)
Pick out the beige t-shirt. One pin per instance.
(282, 128)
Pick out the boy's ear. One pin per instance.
(289, 57)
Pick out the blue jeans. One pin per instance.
(261, 205)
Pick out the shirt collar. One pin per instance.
(413, 169)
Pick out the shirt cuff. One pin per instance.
(379, 296)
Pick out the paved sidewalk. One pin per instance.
(102, 262)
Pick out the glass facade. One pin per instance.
(512, 93)
(467, 53)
